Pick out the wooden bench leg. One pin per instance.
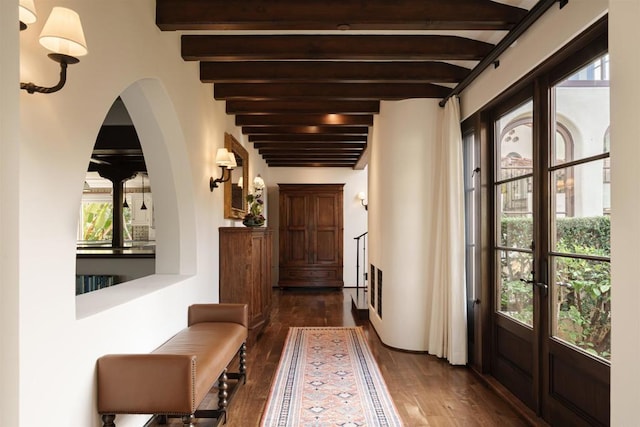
(108, 420)
(223, 386)
(187, 420)
(243, 362)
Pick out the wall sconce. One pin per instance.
(62, 34)
(27, 13)
(362, 197)
(227, 162)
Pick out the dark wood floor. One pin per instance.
(427, 391)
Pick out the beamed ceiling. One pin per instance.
(305, 78)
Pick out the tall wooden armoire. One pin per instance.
(311, 235)
(245, 271)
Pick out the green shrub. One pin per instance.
(583, 286)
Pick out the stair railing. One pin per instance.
(364, 258)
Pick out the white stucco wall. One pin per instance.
(9, 190)
(401, 187)
(180, 127)
(625, 205)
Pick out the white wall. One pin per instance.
(180, 127)
(625, 205)
(9, 189)
(401, 187)
(355, 216)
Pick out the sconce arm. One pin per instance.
(64, 61)
(213, 183)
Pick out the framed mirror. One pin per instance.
(235, 190)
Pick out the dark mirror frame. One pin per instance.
(235, 207)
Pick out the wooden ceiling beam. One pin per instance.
(312, 157)
(304, 120)
(291, 146)
(341, 130)
(302, 107)
(307, 138)
(335, 14)
(332, 47)
(310, 163)
(331, 71)
(342, 91)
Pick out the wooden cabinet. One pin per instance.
(310, 235)
(245, 271)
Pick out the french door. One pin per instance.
(551, 311)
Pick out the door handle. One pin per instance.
(543, 286)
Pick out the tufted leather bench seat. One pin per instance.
(174, 379)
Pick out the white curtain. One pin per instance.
(448, 323)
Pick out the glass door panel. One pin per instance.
(577, 341)
(514, 213)
(515, 142)
(582, 304)
(515, 296)
(513, 252)
(587, 230)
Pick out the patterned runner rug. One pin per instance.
(327, 377)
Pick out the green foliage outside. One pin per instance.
(98, 222)
(582, 292)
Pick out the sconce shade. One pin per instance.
(232, 161)
(361, 195)
(222, 157)
(62, 33)
(27, 11)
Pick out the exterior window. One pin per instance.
(580, 255)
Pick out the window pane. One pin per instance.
(515, 297)
(515, 213)
(582, 113)
(582, 295)
(581, 199)
(515, 150)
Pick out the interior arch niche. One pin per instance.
(116, 227)
(172, 212)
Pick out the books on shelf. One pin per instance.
(92, 282)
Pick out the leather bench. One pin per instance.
(173, 380)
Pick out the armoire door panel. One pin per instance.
(326, 247)
(296, 246)
(326, 211)
(297, 215)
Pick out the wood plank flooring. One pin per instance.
(427, 391)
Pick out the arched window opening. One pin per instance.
(563, 152)
(116, 230)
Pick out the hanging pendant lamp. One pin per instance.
(125, 204)
(143, 207)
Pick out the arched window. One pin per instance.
(116, 232)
